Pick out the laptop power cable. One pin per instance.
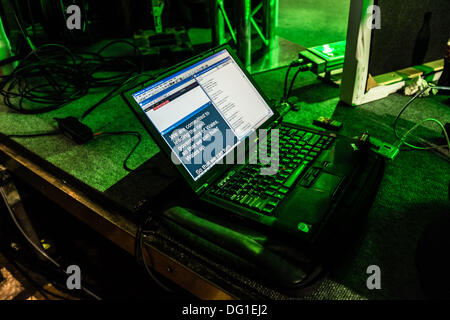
(284, 105)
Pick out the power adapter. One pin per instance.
(73, 129)
(326, 58)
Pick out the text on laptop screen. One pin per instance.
(204, 111)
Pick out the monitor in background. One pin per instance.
(386, 36)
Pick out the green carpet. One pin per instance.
(313, 22)
(98, 163)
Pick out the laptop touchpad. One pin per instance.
(309, 205)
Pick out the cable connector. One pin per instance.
(384, 149)
(301, 64)
(367, 142)
(296, 63)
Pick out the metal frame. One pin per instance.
(157, 9)
(241, 32)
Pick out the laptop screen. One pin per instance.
(204, 111)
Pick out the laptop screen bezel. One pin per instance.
(217, 170)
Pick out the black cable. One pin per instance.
(411, 101)
(139, 254)
(286, 80)
(292, 83)
(105, 98)
(110, 94)
(52, 76)
(136, 242)
(124, 165)
(33, 135)
(404, 108)
(137, 51)
(302, 66)
(150, 273)
(118, 133)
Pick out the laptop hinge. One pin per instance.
(276, 122)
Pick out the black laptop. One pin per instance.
(232, 148)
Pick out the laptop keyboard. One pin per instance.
(263, 193)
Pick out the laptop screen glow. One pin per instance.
(204, 111)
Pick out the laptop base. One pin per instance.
(256, 250)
